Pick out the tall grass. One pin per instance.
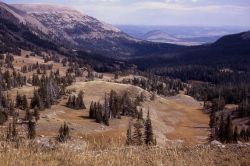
(27, 155)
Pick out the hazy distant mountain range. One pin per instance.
(63, 29)
(184, 35)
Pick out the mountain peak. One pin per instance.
(62, 14)
(45, 8)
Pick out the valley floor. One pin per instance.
(179, 124)
(177, 119)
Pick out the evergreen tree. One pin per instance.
(242, 134)
(138, 136)
(76, 102)
(18, 100)
(12, 134)
(36, 101)
(106, 115)
(3, 117)
(236, 134)
(221, 132)
(80, 100)
(229, 130)
(148, 131)
(63, 133)
(95, 110)
(99, 113)
(91, 111)
(31, 129)
(248, 133)
(28, 115)
(129, 133)
(24, 102)
(212, 125)
(36, 114)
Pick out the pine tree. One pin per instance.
(24, 102)
(76, 102)
(229, 130)
(3, 117)
(31, 129)
(248, 133)
(236, 134)
(80, 99)
(129, 133)
(106, 115)
(242, 135)
(148, 131)
(99, 113)
(18, 100)
(36, 101)
(138, 136)
(63, 133)
(36, 114)
(221, 132)
(212, 125)
(12, 134)
(95, 110)
(91, 110)
(28, 115)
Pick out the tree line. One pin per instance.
(114, 106)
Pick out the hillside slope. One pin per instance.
(230, 51)
(72, 29)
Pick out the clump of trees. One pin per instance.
(223, 130)
(12, 133)
(166, 86)
(76, 102)
(114, 106)
(40, 68)
(62, 81)
(10, 79)
(63, 133)
(215, 98)
(49, 91)
(21, 101)
(7, 107)
(136, 136)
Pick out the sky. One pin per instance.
(161, 12)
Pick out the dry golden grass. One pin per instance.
(130, 156)
(176, 118)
